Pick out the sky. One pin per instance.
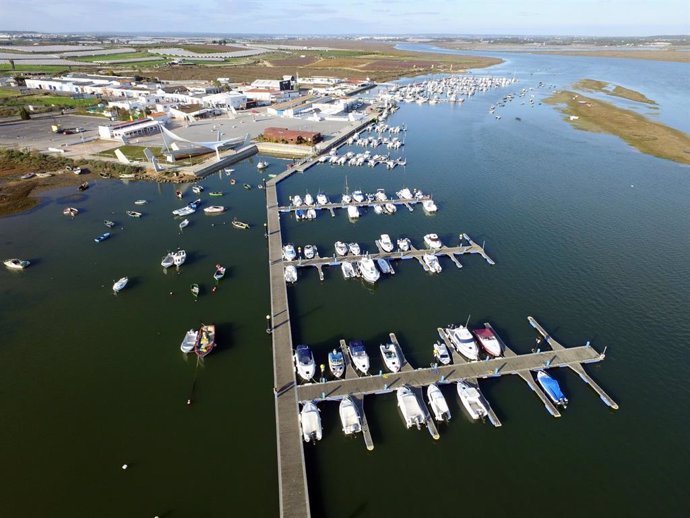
(516, 17)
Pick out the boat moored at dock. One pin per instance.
(360, 358)
(463, 341)
(441, 353)
(489, 342)
(433, 241)
(336, 363)
(304, 362)
(310, 421)
(438, 403)
(349, 417)
(368, 270)
(472, 399)
(552, 388)
(410, 408)
(290, 274)
(391, 357)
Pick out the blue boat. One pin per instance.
(552, 388)
(102, 237)
(300, 214)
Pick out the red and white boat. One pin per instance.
(489, 342)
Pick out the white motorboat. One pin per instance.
(304, 362)
(310, 421)
(463, 341)
(368, 269)
(187, 345)
(310, 251)
(389, 208)
(438, 403)
(349, 417)
(348, 270)
(16, 264)
(296, 201)
(262, 165)
(140, 202)
(340, 248)
(410, 407)
(168, 260)
(322, 199)
(120, 284)
(354, 249)
(214, 209)
(308, 199)
(405, 194)
(433, 241)
(386, 243)
(381, 195)
(346, 198)
(289, 253)
(429, 206)
(360, 358)
(403, 244)
(133, 214)
(311, 213)
(378, 209)
(184, 223)
(432, 263)
(391, 357)
(358, 196)
(70, 211)
(290, 274)
(184, 211)
(472, 400)
(197, 189)
(441, 353)
(352, 212)
(336, 363)
(179, 257)
(489, 341)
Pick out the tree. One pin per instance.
(24, 114)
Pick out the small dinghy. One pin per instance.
(220, 272)
(197, 189)
(187, 345)
(102, 237)
(215, 193)
(184, 223)
(247, 186)
(120, 285)
(16, 264)
(195, 290)
(178, 194)
(140, 202)
(83, 186)
(168, 260)
(133, 214)
(262, 165)
(240, 224)
(70, 211)
(108, 223)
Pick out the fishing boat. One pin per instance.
(472, 399)
(214, 209)
(215, 193)
(246, 186)
(197, 189)
(352, 212)
(310, 251)
(133, 214)
(304, 362)
(354, 249)
(70, 211)
(168, 260)
(349, 417)
(360, 358)
(289, 253)
(368, 270)
(102, 237)
(290, 274)
(336, 363)
(189, 340)
(262, 165)
(194, 289)
(462, 340)
(220, 272)
(179, 257)
(340, 248)
(108, 223)
(489, 341)
(384, 266)
(83, 186)
(441, 353)
(310, 421)
(438, 403)
(403, 244)
(410, 408)
(16, 264)
(432, 263)
(386, 243)
(552, 388)
(239, 224)
(206, 340)
(140, 202)
(348, 270)
(184, 223)
(120, 284)
(429, 206)
(433, 241)
(391, 357)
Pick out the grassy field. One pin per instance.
(132, 152)
(114, 57)
(8, 92)
(594, 85)
(50, 69)
(638, 131)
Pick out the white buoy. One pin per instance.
(124, 466)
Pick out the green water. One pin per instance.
(91, 381)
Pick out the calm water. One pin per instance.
(91, 381)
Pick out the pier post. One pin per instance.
(269, 328)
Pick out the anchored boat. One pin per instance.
(120, 284)
(16, 264)
(102, 237)
(206, 340)
(189, 340)
(219, 273)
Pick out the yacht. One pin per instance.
(429, 206)
(462, 340)
(336, 363)
(489, 341)
(304, 362)
(290, 274)
(349, 417)
(308, 199)
(322, 199)
(360, 358)
(433, 241)
(16, 264)
(441, 353)
(179, 257)
(358, 196)
(352, 212)
(310, 421)
(289, 253)
(472, 400)
(168, 260)
(386, 243)
(411, 409)
(431, 262)
(348, 270)
(120, 284)
(552, 388)
(340, 248)
(354, 249)
(296, 200)
(404, 244)
(368, 269)
(437, 403)
(310, 251)
(391, 357)
(187, 345)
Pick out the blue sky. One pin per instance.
(581, 17)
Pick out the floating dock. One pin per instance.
(331, 207)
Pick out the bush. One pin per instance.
(24, 114)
